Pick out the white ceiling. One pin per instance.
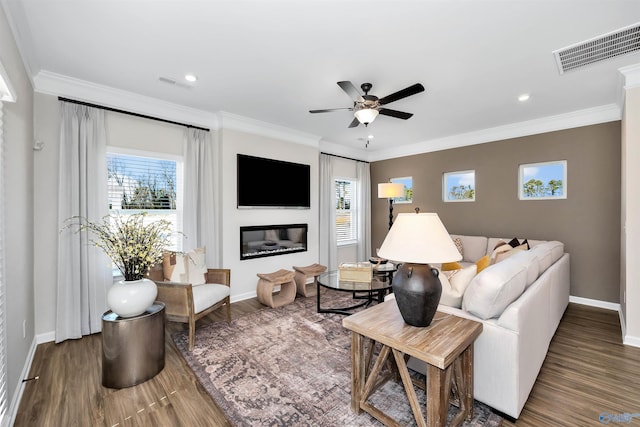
(273, 60)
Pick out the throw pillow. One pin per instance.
(458, 281)
(502, 246)
(482, 263)
(514, 242)
(506, 254)
(448, 266)
(174, 268)
(458, 242)
(196, 266)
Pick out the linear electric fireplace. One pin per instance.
(269, 240)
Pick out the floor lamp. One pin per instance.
(389, 190)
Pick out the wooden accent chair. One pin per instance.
(186, 303)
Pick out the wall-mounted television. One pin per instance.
(269, 183)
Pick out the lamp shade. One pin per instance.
(366, 115)
(389, 190)
(419, 238)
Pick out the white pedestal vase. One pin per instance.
(131, 298)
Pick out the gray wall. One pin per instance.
(19, 238)
(587, 222)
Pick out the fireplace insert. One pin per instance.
(269, 240)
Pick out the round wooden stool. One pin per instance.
(306, 279)
(267, 282)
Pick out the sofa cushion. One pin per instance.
(473, 247)
(454, 283)
(531, 263)
(500, 247)
(497, 286)
(205, 295)
(458, 242)
(548, 253)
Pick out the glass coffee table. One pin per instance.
(380, 284)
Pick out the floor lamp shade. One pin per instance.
(415, 240)
(390, 190)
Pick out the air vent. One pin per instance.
(174, 82)
(610, 45)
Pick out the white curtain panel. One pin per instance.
(200, 213)
(84, 271)
(328, 244)
(364, 210)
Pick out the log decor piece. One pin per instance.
(267, 283)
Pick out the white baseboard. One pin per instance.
(626, 339)
(17, 395)
(595, 303)
(46, 337)
(242, 297)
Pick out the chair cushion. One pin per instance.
(208, 294)
(196, 266)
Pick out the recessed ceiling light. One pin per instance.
(523, 97)
(370, 136)
(190, 78)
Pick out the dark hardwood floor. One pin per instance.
(588, 372)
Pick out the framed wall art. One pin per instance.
(459, 186)
(543, 181)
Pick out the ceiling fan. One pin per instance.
(367, 107)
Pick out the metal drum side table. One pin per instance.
(132, 347)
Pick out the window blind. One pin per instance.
(345, 225)
(138, 183)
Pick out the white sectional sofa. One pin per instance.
(520, 301)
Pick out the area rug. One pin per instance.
(291, 366)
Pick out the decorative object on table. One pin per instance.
(377, 260)
(134, 247)
(389, 190)
(267, 388)
(355, 272)
(416, 284)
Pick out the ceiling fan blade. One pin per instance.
(331, 109)
(395, 113)
(354, 123)
(351, 90)
(408, 91)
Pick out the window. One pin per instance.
(345, 211)
(146, 182)
(543, 181)
(459, 186)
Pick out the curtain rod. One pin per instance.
(343, 157)
(115, 110)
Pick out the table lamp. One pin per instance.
(389, 190)
(415, 240)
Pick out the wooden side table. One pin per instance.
(132, 347)
(306, 278)
(267, 282)
(446, 346)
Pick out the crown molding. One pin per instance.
(7, 93)
(257, 127)
(59, 85)
(631, 76)
(586, 117)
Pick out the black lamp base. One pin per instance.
(417, 289)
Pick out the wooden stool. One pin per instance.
(267, 282)
(306, 279)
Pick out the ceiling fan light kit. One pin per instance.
(366, 115)
(367, 107)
